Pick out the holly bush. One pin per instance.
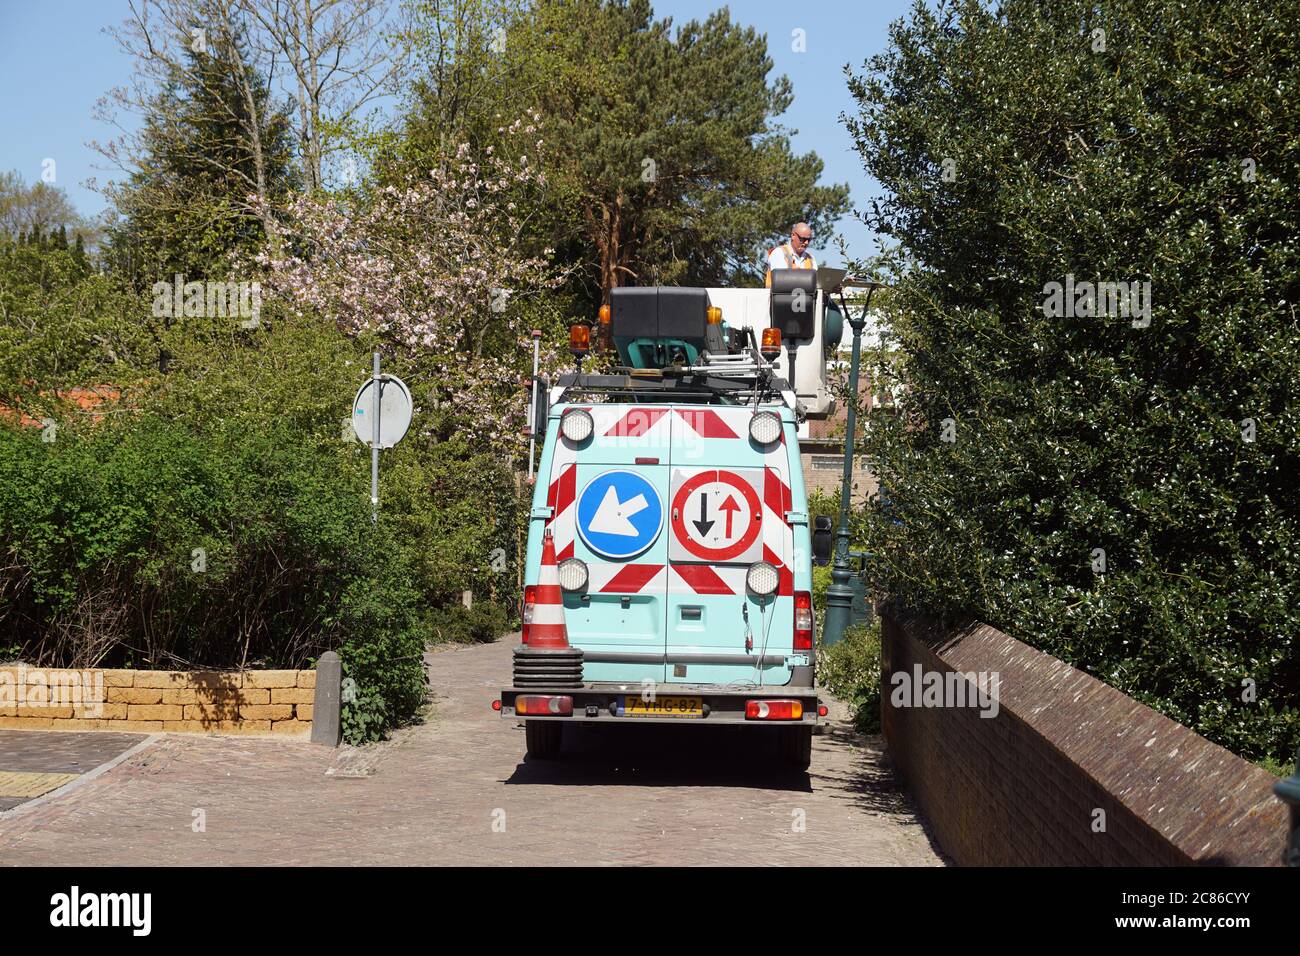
(1119, 490)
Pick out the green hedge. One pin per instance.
(239, 450)
(1134, 141)
(137, 543)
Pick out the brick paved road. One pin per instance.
(433, 794)
(55, 754)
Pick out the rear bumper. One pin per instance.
(597, 703)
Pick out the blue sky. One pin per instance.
(55, 63)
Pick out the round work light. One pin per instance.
(573, 574)
(762, 579)
(577, 425)
(765, 428)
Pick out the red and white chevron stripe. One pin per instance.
(778, 534)
(639, 422)
(561, 497)
(708, 579)
(636, 422)
(614, 578)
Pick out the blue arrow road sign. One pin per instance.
(619, 514)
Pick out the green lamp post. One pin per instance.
(839, 595)
(1288, 790)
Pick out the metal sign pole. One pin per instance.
(374, 444)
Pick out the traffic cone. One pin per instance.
(547, 660)
(547, 629)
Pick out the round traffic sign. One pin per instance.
(716, 515)
(395, 409)
(620, 514)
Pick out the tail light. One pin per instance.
(540, 705)
(774, 710)
(530, 597)
(803, 621)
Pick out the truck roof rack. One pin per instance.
(738, 379)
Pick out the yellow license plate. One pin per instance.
(663, 707)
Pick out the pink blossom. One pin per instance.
(422, 264)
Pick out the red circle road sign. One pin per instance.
(753, 518)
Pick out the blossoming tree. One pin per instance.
(435, 268)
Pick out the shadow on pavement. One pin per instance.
(871, 783)
(868, 780)
(661, 755)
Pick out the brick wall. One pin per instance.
(822, 452)
(1023, 787)
(823, 470)
(247, 702)
(834, 426)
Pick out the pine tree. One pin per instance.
(188, 205)
(664, 153)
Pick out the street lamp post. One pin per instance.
(839, 595)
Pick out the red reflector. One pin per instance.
(773, 710)
(541, 705)
(647, 461)
(822, 711)
(496, 705)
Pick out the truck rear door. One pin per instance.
(608, 498)
(728, 501)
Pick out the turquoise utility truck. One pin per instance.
(671, 495)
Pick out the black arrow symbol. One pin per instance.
(704, 525)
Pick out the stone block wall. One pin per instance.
(247, 702)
